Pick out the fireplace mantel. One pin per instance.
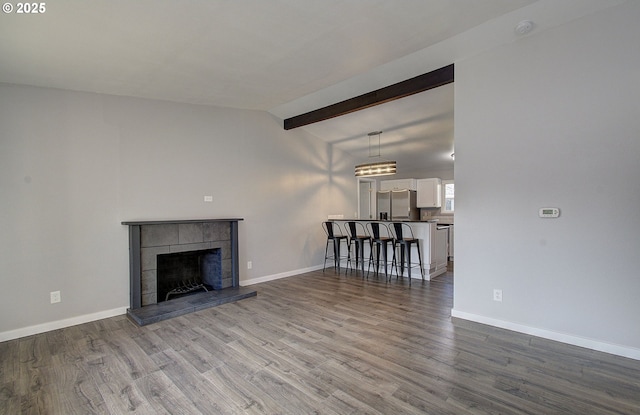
(149, 238)
(164, 222)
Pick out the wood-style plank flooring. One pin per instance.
(317, 343)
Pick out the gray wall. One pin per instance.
(552, 120)
(74, 165)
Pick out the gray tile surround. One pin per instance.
(156, 239)
(159, 235)
(190, 233)
(148, 256)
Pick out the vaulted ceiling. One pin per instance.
(282, 56)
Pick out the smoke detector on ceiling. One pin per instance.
(524, 27)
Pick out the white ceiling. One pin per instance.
(273, 55)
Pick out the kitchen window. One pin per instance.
(448, 196)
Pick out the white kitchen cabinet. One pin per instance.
(429, 193)
(433, 242)
(398, 184)
(451, 243)
(441, 248)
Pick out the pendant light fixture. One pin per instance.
(380, 168)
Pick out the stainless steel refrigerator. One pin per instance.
(397, 205)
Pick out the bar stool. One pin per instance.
(403, 236)
(358, 235)
(334, 236)
(380, 237)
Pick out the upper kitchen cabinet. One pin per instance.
(398, 184)
(429, 193)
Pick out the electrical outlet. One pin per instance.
(55, 297)
(497, 295)
(249, 264)
(208, 198)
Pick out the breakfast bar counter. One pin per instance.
(433, 244)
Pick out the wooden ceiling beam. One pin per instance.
(402, 89)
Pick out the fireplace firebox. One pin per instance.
(182, 273)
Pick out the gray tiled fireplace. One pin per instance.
(171, 238)
(149, 240)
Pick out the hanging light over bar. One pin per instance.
(383, 168)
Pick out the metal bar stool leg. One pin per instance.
(420, 260)
(409, 263)
(326, 249)
(394, 260)
(336, 254)
(357, 254)
(361, 244)
(384, 258)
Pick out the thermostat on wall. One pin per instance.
(549, 212)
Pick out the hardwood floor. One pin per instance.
(313, 343)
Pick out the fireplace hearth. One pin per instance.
(181, 266)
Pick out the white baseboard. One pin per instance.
(615, 349)
(280, 275)
(60, 324)
(414, 275)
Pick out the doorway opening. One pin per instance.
(366, 198)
